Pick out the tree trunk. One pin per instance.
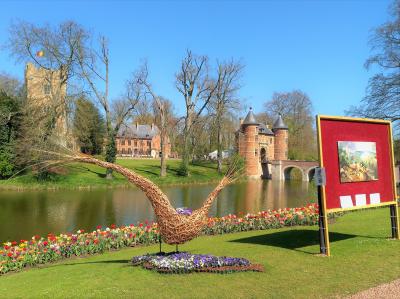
(186, 142)
(163, 163)
(219, 147)
(110, 153)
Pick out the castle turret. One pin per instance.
(250, 145)
(281, 139)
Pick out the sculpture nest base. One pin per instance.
(184, 262)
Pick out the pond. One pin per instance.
(27, 213)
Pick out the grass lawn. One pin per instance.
(362, 257)
(80, 175)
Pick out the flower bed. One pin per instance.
(40, 250)
(307, 215)
(184, 262)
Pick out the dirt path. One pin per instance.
(387, 290)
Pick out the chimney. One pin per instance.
(137, 126)
(241, 120)
(266, 125)
(152, 126)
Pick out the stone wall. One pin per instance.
(46, 90)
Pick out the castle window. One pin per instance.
(135, 143)
(129, 151)
(256, 152)
(123, 151)
(122, 141)
(46, 89)
(148, 143)
(270, 141)
(129, 142)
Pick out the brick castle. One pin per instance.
(260, 146)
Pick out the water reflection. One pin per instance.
(27, 213)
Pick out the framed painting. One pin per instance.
(357, 156)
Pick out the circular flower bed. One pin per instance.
(184, 262)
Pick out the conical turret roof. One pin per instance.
(279, 124)
(250, 119)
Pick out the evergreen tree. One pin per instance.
(88, 127)
(9, 123)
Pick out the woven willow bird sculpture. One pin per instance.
(175, 228)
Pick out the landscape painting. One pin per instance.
(357, 161)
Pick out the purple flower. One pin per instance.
(187, 262)
(184, 211)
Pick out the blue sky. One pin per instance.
(317, 46)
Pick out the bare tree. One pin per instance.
(53, 50)
(161, 111)
(10, 85)
(296, 109)
(196, 86)
(383, 91)
(94, 65)
(225, 98)
(144, 113)
(50, 52)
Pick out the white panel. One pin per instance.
(374, 198)
(361, 199)
(345, 201)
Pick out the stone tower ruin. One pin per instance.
(46, 95)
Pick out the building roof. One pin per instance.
(263, 129)
(250, 119)
(138, 131)
(279, 124)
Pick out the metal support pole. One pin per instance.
(393, 221)
(159, 239)
(321, 224)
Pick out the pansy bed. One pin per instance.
(184, 262)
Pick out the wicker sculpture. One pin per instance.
(175, 228)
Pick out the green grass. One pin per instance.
(79, 175)
(362, 257)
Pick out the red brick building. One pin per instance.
(259, 145)
(140, 141)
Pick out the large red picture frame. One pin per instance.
(354, 195)
(365, 143)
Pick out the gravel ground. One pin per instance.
(387, 290)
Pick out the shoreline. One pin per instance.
(44, 187)
(78, 176)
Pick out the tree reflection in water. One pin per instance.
(27, 213)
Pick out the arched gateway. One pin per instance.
(265, 150)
